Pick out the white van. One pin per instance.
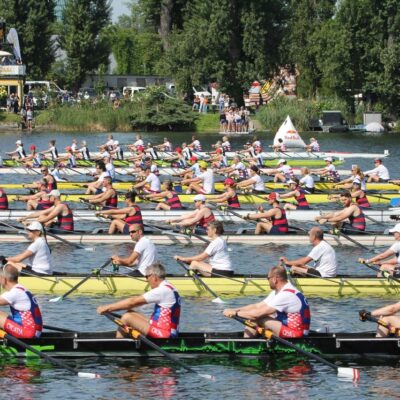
(130, 91)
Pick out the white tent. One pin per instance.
(288, 133)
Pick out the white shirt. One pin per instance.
(258, 183)
(139, 142)
(357, 179)
(147, 254)
(17, 298)
(331, 168)
(208, 181)
(324, 258)
(284, 301)
(110, 143)
(102, 176)
(196, 145)
(41, 260)
(239, 166)
(53, 152)
(307, 181)
(74, 147)
(55, 173)
(154, 180)
(395, 247)
(110, 170)
(381, 172)
(161, 295)
(187, 153)
(217, 250)
(196, 169)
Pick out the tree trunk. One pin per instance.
(166, 21)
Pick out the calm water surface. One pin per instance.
(288, 378)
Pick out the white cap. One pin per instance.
(116, 142)
(35, 226)
(281, 161)
(55, 193)
(153, 168)
(395, 229)
(18, 142)
(290, 181)
(199, 197)
(328, 159)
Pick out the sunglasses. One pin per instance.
(130, 232)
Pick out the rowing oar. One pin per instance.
(65, 241)
(81, 282)
(366, 316)
(338, 232)
(196, 277)
(53, 360)
(342, 372)
(385, 274)
(134, 334)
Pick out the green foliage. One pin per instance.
(300, 111)
(207, 122)
(82, 38)
(33, 21)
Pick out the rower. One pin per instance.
(299, 195)
(177, 159)
(32, 160)
(329, 171)
(322, 254)
(52, 150)
(25, 321)
(393, 264)
(123, 218)
(108, 199)
(3, 199)
(69, 159)
(219, 261)
(59, 215)
(193, 171)
(55, 173)
(388, 314)
(187, 151)
(109, 145)
(96, 186)
(351, 212)
(226, 145)
(283, 173)
(139, 143)
(19, 152)
(229, 197)
(117, 151)
(280, 147)
(164, 321)
(165, 146)
(195, 145)
(285, 311)
(39, 200)
(198, 219)
(203, 183)
(74, 145)
(273, 221)
(83, 152)
(356, 176)
(359, 195)
(236, 170)
(108, 162)
(379, 174)
(143, 254)
(313, 147)
(307, 181)
(171, 198)
(218, 159)
(47, 177)
(38, 255)
(151, 183)
(254, 183)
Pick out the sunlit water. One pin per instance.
(241, 378)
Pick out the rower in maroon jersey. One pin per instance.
(171, 198)
(229, 197)
(298, 193)
(108, 199)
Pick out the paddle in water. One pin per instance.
(55, 361)
(81, 282)
(342, 372)
(134, 334)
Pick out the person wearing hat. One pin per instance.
(229, 197)
(203, 183)
(391, 265)
(108, 199)
(313, 147)
(379, 174)
(298, 193)
(218, 158)
(273, 221)
(32, 160)
(19, 152)
(199, 219)
(39, 200)
(328, 172)
(254, 182)
(69, 158)
(37, 255)
(177, 159)
(139, 157)
(151, 182)
(216, 253)
(25, 318)
(59, 215)
(171, 198)
(351, 212)
(283, 173)
(323, 255)
(97, 186)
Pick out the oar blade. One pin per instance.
(88, 375)
(349, 373)
(55, 299)
(209, 377)
(218, 300)
(89, 249)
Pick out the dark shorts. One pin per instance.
(222, 272)
(135, 273)
(98, 191)
(313, 271)
(40, 207)
(200, 230)
(275, 231)
(303, 208)
(383, 180)
(125, 231)
(348, 228)
(309, 190)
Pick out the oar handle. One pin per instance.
(366, 316)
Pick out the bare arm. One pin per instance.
(125, 304)
(52, 214)
(298, 261)
(388, 310)
(199, 257)
(20, 257)
(251, 311)
(126, 261)
(289, 194)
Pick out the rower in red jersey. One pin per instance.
(171, 198)
(108, 199)
(37, 201)
(25, 321)
(273, 221)
(285, 311)
(229, 197)
(3, 200)
(351, 212)
(298, 193)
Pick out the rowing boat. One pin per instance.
(119, 171)
(240, 286)
(204, 344)
(223, 215)
(243, 198)
(170, 237)
(218, 186)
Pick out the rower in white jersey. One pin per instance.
(84, 151)
(52, 150)
(254, 183)
(283, 173)
(19, 152)
(379, 174)
(307, 181)
(151, 183)
(203, 183)
(329, 172)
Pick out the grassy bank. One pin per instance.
(9, 118)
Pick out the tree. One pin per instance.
(33, 21)
(82, 38)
